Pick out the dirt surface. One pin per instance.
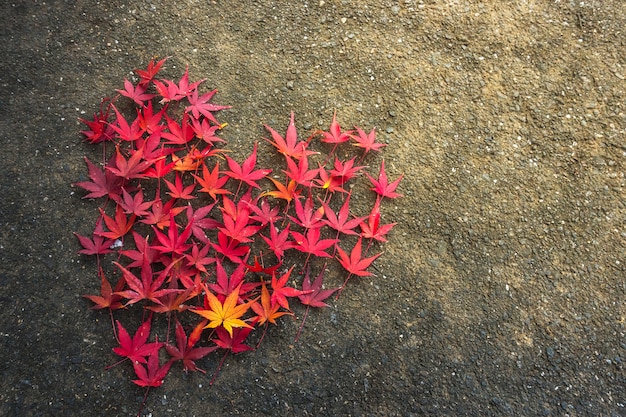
(502, 290)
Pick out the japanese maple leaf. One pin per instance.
(126, 132)
(226, 314)
(200, 222)
(226, 283)
(202, 106)
(174, 242)
(160, 214)
(344, 171)
(146, 288)
(134, 167)
(96, 246)
(134, 204)
(103, 183)
(328, 181)
(230, 248)
(341, 222)
(278, 242)
(119, 226)
(136, 349)
(173, 91)
(334, 135)
(314, 296)
(372, 229)
(153, 375)
(239, 228)
(354, 264)
(148, 74)
(178, 190)
(142, 249)
(179, 134)
(198, 257)
(286, 193)
(307, 217)
(137, 94)
(107, 298)
(301, 173)
(233, 341)
(150, 122)
(99, 128)
(310, 243)
(382, 186)
(266, 310)
(366, 141)
(289, 146)
(203, 130)
(245, 172)
(280, 291)
(185, 350)
(265, 213)
(211, 182)
(260, 267)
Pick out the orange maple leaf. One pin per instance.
(225, 314)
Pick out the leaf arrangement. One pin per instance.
(211, 242)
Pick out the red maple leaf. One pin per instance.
(178, 190)
(99, 128)
(280, 291)
(233, 343)
(354, 264)
(136, 349)
(245, 172)
(134, 204)
(289, 146)
(134, 167)
(202, 106)
(200, 222)
(146, 288)
(126, 132)
(278, 242)
(150, 122)
(373, 229)
(211, 181)
(174, 242)
(137, 94)
(340, 222)
(334, 134)
(148, 74)
(286, 193)
(301, 173)
(366, 141)
(153, 375)
(179, 134)
(382, 186)
(185, 350)
(266, 310)
(230, 248)
(344, 171)
(119, 226)
(307, 217)
(310, 243)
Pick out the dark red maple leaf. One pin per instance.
(103, 183)
(185, 350)
(314, 295)
(150, 122)
(174, 242)
(233, 343)
(134, 204)
(107, 298)
(153, 375)
(126, 132)
(230, 248)
(134, 167)
(179, 134)
(99, 245)
(99, 129)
